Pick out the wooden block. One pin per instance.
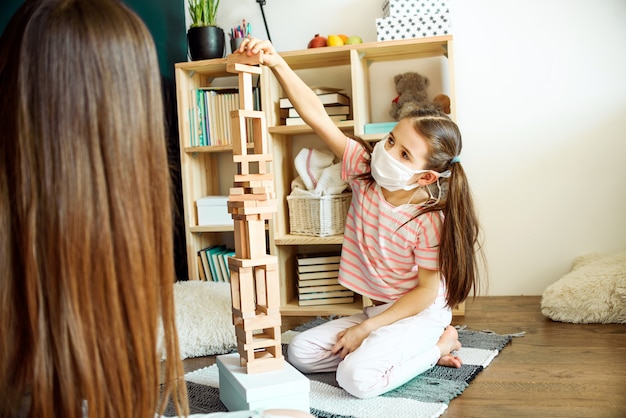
(246, 100)
(239, 138)
(254, 180)
(261, 287)
(255, 197)
(264, 310)
(259, 133)
(234, 289)
(248, 114)
(256, 239)
(241, 235)
(265, 365)
(251, 183)
(252, 190)
(246, 291)
(253, 158)
(243, 63)
(270, 261)
(265, 339)
(251, 217)
(255, 210)
(273, 288)
(260, 322)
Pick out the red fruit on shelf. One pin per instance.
(317, 41)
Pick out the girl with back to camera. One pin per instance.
(410, 245)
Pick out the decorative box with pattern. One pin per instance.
(407, 27)
(398, 8)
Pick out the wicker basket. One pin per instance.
(318, 216)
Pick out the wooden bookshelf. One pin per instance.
(351, 65)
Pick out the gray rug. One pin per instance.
(427, 395)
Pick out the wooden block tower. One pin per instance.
(254, 274)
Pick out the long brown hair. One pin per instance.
(86, 253)
(460, 250)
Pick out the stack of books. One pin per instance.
(337, 106)
(318, 282)
(209, 115)
(213, 263)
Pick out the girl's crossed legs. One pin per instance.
(387, 358)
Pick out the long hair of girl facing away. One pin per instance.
(86, 252)
(459, 247)
(460, 252)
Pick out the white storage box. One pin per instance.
(286, 388)
(408, 27)
(398, 8)
(213, 210)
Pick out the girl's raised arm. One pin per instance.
(303, 98)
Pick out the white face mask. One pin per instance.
(391, 173)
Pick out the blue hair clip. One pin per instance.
(455, 159)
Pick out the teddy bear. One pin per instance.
(411, 88)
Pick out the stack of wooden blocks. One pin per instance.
(257, 377)
(254, 274)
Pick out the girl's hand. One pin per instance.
(350, 339)
(251, 46)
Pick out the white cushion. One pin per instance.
(203, 319)
(594, 291)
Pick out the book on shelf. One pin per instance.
(326, 294)
(300, 121)
(335, 98)
(317, 275)
(317, 282)
(318, 258)
(291, 112)
(324, 89)
(326, 301)
(224, 256)
(321, 288)
(206, 269)
(201, 273)
(318, 268)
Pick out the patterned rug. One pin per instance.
(427, 395)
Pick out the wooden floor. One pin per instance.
(555, 370)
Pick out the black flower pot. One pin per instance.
(205, 42)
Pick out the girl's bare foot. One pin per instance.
(449, 343)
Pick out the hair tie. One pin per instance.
(455, 159)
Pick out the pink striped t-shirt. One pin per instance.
(381, 256)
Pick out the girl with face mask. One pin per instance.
(410, 246)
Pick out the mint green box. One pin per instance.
(379, 128)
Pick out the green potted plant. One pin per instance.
(205, 39)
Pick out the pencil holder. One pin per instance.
(235, 43)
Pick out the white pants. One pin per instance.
(389, 357)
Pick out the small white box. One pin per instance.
(408, 27)
(286, 388)
(213, 210)
(398, 8)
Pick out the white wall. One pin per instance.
(541, 102)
